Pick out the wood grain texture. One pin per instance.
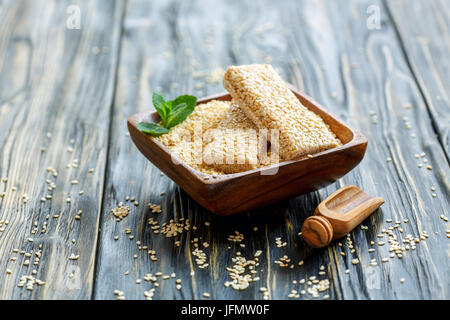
(424, 30)
(359, 74)
(317, 231)
(59, 81)
(55, 98)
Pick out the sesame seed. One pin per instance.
(74, 257)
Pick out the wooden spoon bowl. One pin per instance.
(232, 193)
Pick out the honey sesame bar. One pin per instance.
(225, 132)
(236, 146)
(270, 104)
(181, 138)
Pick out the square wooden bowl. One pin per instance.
(233, 193)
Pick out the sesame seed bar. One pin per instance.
(225, 132)
(270, 104)
(181, 138)
(236, 146)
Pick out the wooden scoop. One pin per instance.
(337, 215)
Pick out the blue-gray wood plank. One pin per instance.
(56, 91)
(374, 76)
(426, 42)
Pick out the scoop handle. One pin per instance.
(317, 231)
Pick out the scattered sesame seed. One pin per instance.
(74, 257)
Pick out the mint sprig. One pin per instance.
(171, 113)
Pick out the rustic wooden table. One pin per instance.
(67, 87)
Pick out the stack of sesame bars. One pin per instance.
(263, 124)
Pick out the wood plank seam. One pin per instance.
(108, 148)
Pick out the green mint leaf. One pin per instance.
(181, 105)
(190, 101)
(160, 105)
(170, 112)
(152, 129)
(167, 110)
(168, 106)
(179, 114)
